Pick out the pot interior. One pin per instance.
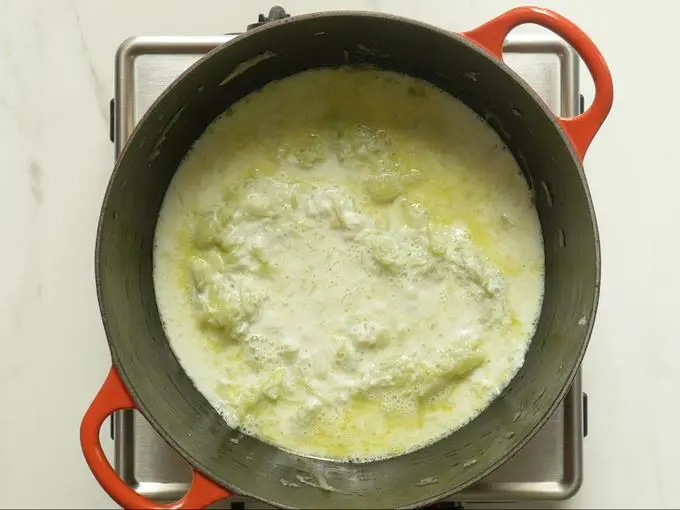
(141, 351)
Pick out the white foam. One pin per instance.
(369, 271)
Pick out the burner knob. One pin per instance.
(275, 13)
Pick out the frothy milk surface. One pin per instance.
(348, 264)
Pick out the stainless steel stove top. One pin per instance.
(548, 468)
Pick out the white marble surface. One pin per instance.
(56, 78)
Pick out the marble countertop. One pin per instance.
(56, 79)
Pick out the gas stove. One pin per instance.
(549, 467)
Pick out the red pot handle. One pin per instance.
(582, 128)
(113, 396)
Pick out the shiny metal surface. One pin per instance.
(549, 467)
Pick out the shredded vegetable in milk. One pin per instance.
(348, 264)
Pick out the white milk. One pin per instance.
(349, 265)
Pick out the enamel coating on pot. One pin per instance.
(147, 367)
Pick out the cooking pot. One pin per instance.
(147, 376)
